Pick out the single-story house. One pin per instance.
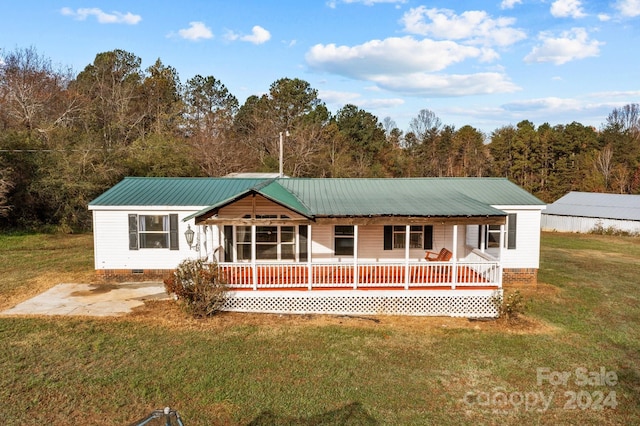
(420, 246)
(589, 211)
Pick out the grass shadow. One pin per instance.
(351, 414)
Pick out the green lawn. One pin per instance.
(313, 370)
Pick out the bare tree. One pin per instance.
(626, 119)
(426, 125)
(604, 164)
(34, 95)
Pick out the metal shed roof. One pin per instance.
(597, 205)
(423, 197)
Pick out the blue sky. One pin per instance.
(483, 63)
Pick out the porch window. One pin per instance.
(153, 231)
(420, 237)
(272, 242)
(344, 240)
(493, 233)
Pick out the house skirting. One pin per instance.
(519, 276)
(132, 274)
(454, 303)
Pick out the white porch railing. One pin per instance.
(366, 275)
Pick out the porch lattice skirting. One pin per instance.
(455, 303)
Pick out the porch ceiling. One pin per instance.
(355, 220)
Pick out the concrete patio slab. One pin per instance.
(90, 299)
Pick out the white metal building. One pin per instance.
(588, 211)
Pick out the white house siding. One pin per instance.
(111, 241)
(527, 251)
(555, 223)
(526, 255)
(371, 243)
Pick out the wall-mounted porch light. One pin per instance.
(188, 234)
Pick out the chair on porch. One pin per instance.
(443, 256)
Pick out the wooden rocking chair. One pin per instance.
(443, 256)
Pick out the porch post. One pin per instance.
(483, 233)
(407, 235)
(254, 271)
(454, 272)
(355, 257)
(309, 266)
(500, 256)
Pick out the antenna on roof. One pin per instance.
(286, 133)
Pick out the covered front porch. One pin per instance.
(281, 259)
(310, 265)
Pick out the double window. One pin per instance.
(153, 232)
(273, 242)
(420, 237)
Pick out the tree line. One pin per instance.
(66, 138)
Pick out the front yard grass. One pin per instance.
(242, 369)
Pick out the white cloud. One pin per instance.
(509, 4)
(197, 31)
(258, 35)
(603, 17)
(391, 55)
(333, 3)
(408, 65)
(102, 17)
(628, 8)
(340, 99)
(567, 8)
(438, 85)
(472, 27)
(546, 104)
(570, 45)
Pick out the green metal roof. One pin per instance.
(422, 197)
(155, 191)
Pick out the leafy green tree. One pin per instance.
(160, 155)
(160, 100)
(365, 138)
(289, 105)
(471, 155)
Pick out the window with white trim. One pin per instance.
(273, 242)
(153, 232)
(344, 241)
(420, 237)
(492, 233)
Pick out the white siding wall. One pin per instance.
(527, 251)
(111, 241)
(586, 224)
(371, 243)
